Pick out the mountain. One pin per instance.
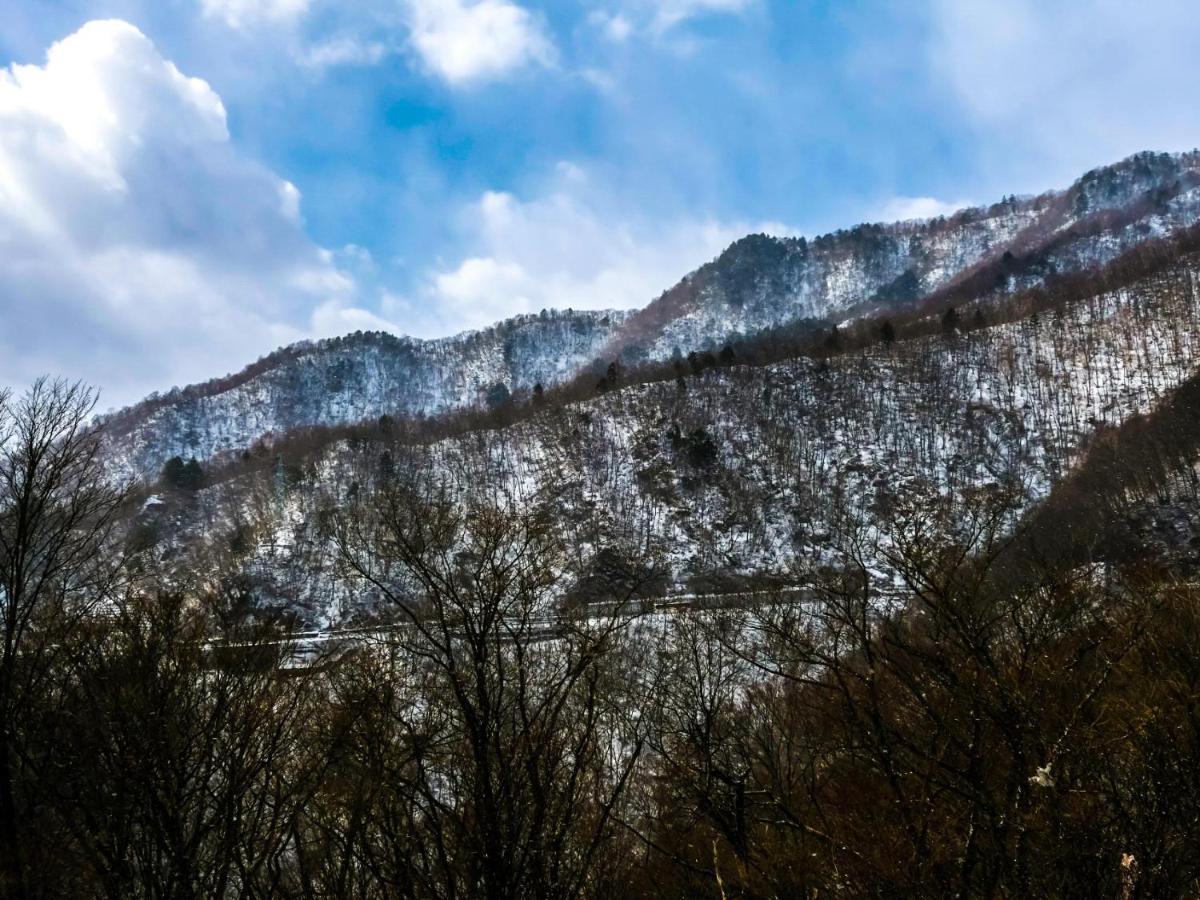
(358, 377)
(738, 477)
(759, 285)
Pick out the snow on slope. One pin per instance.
(355, 378)
(751, 472)
(758, 283)
(762, 282)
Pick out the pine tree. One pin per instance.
(183, 476)
(172, 471)
(950, 321)
(498, 396)
(193, 476)
(834, 340)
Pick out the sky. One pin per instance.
(186, 185)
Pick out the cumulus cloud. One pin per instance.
(902, 209)
(570, 247)
(464, 42)
(138, 248)
(1069, 84)
(245, 13)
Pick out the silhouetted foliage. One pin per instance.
(951, 321)
(700, 449)
(887, 332)
(184, 476)
(498, 396)
(833, 342)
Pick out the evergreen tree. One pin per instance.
(834, 340)
(498, 396)
(701, 449)
(184, 476)
(950, 321)
(193, 476)
(172, 471)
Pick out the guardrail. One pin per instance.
(313, 650)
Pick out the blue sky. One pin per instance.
(186, 184)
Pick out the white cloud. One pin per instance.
(1065, 84)
(342, 51)
(138, 248)
(668, 13)
(464, 42)
(572, 247)
(350, 38)
(247, 13)
(335, 317)
(655, 17)
(902, 209)
(614, 26)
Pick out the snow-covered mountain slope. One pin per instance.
(354, 378)
(763, 282)
(742, 473)
(759, 283)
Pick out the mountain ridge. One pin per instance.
(757, 284)
(733, 477)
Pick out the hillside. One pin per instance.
(758, 285)
(761, 282)
(738, 475)
(350, 379)
(644, 542)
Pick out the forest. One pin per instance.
(966, 670)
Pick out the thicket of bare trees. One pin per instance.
(975, 741)
(56, 514)
(507, 737)
(968, 734)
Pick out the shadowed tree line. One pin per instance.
(966, 734)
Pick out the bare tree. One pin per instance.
(57, 513)
(516, 743)
(182, 763)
